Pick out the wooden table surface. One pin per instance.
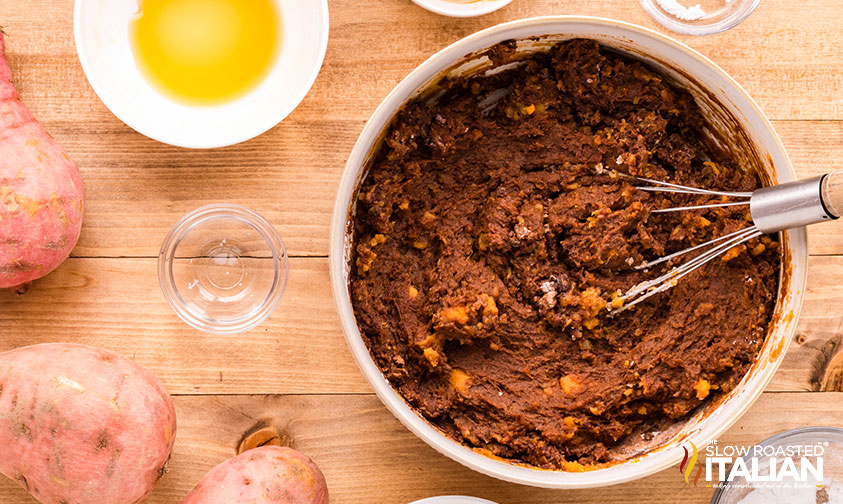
(294, 371)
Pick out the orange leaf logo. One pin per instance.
(687, 465)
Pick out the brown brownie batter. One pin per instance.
(490, 236)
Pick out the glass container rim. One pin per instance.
(721, 492)
(744, 9)
(274, 244)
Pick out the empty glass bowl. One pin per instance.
(787, 490)
(453, 499)
(699, 17)
(223, 268)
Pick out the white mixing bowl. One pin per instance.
(744, 130)
(101, 29)
(453, 499)
(466, 8)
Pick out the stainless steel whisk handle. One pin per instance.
(797, 204)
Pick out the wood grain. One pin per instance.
(787, 55)
(290, 177)
(117, 304)
(369, 457)
(817, 345)
(137, 188)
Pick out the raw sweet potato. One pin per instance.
(41, 195)
(265, 475)
(82, 425)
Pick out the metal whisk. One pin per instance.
(773, 209)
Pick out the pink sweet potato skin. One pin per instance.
(265, 475)
(82, 425)
(41, 194)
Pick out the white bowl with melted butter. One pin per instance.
(462, 8)
(102, 30)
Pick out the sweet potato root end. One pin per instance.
(21, 289)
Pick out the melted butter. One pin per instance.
(205, 51)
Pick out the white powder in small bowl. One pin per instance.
(831, 493)
(789, 491)
(677, 10)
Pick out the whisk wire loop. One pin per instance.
(650, 288)
(708, 250)
(661, 186)
(772, 209)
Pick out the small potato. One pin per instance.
(265, 475)
(82, 425)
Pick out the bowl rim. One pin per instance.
(742, 11)
(779, 439)
(246, 133)
(453, 499)
(638, 467)
(462, 10)
(274, 243)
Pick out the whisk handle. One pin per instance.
(832, 192)
(797, 204)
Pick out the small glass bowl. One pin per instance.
(453, 499)
(223, 268)
(831, 438)
(719, 15)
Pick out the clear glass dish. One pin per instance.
(223, 268)
(699, 17)
(453, 499)
(829, 490)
